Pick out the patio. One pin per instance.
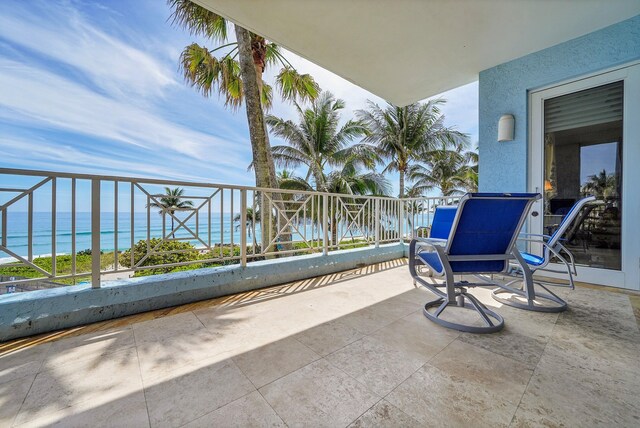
(347, 349)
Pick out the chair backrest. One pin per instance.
(487, 224)
(442, 221)
(569, 220)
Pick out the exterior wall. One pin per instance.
(504, 89)
(24, 314)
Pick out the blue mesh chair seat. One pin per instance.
(481, 240)
(532, 259)
(432, 260)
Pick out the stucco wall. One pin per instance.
(504, 90)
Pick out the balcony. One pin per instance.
(304, 316)
(72, 260)
(346, 349)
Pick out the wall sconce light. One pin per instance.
(506, 126)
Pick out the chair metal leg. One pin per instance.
(534, 301)
(493, 322)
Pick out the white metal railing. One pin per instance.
(90, 226)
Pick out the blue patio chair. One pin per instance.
(482, 240)
(552, 246)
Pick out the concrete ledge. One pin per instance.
(25, 314)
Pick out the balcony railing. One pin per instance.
(61, 228)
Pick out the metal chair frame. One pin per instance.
(552, 247)
(456, 294)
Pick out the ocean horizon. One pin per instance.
(17, 232)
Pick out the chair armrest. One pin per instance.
(431, 241)
(417, 243)
(535, 234)
(536, 241)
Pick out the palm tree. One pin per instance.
(602, 185)
(237, 73)
(170, 203)
(317, 140)
(287, 180)
(349, 180)
(451, 170)
(402, 135)
(253, 217)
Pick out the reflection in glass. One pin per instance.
(583, 156)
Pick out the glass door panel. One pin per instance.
(583, 156)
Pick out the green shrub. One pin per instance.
(63, 267)
(167, 252)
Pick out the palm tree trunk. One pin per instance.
(264, 168)
(321, 185)
(334, 231)
(251, 73)
(402, 173)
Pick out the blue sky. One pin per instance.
(94, 87)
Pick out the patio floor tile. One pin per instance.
(184, 396)
(557, 396)
(94, 345)
(247, 412)
(158, 329)
(99, 380)
(367, 320)
(12, 394)
(318, 394)
(160, 358)
(384, 415)
(129, 411)
(519, 347)
(438, 398)
(375, 364)
(267, 363)
(499, 375)
(22, 362)
(329, 337)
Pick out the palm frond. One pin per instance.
(294, 86)
(198, 20)
(266, 96)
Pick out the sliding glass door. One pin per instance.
(582, 144)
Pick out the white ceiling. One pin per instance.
(407, 50)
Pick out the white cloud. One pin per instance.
(44, 100)
(118, 68)
(54, 155)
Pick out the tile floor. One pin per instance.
(350, 349)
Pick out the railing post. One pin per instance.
(325, 224)
(243, 225)
(95, 233)
(377, 222)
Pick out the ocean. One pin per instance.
(17, 227)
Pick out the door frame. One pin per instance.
(629, 275)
